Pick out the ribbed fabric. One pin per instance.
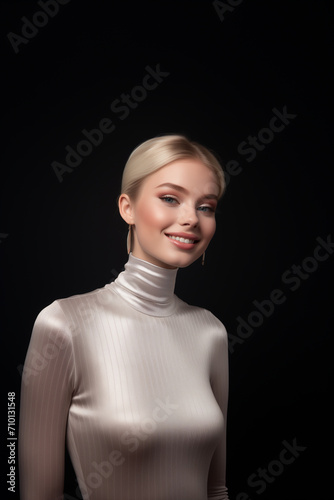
(136, 381)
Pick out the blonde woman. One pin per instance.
(134, 379)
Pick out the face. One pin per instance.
(173, 216)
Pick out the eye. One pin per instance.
(168, 199)
(206, 208)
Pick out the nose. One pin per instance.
(188, 216)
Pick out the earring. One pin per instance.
(203, 259)
(129, 238)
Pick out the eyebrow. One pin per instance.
(183, 190)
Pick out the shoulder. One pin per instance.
(51, 322)
(204, 318)
(80, 302)
(86, 297)
(57, 315)
(68, 314)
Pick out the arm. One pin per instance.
(219, 381)
(46, 391)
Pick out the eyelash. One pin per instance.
(165, 198)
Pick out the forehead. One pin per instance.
(190, 174)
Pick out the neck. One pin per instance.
(147, 287)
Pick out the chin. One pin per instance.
(188, 263)
(181, 261)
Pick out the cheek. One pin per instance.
(153, 215)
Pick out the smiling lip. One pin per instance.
(187, 236)
(185, 241)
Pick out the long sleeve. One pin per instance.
(217, 489)
(46, 391)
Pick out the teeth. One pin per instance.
(182, 240)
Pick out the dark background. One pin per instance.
(225, 78)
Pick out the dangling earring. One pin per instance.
(203, 259)
(129, 238)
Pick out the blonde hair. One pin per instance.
(160, 151)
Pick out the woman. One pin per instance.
(133, 378)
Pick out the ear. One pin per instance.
(125, 207)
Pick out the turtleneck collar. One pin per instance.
(146, 287)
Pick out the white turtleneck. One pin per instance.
(136, 382)
(148, 288)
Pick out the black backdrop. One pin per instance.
(220, 72)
